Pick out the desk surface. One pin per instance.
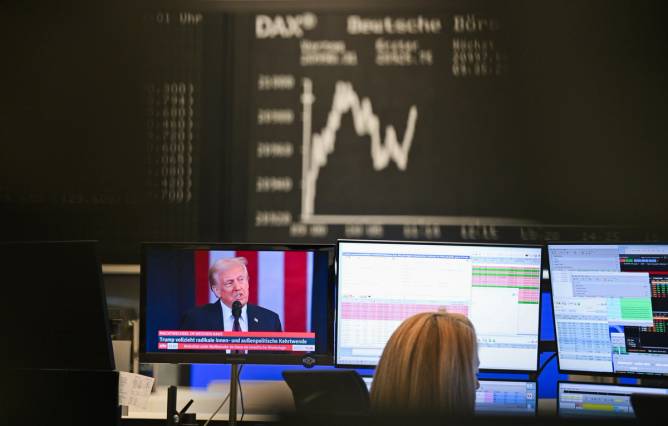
(264, 400)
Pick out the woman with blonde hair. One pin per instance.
(429, 365)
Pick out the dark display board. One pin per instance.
(105, 113)
(381, 119)
(305, 122)
(417, 122)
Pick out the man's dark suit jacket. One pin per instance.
(210, 317)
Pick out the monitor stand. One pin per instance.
(234, 388)
(174, 417)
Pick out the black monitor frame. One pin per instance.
(307, 359)
(531, 373)
(72, 269)
(554, 321)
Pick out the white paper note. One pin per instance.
(134, 389)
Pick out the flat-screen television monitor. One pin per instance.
(599, 400)
(245, 303)
(500, 397)
(56, 317)
(610, 307)
(381, 283)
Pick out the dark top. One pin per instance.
(210, 317)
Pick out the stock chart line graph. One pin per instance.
(318, 146)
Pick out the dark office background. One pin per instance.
(125, 123)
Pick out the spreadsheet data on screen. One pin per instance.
(611, 307)
(382, 284)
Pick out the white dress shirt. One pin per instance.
(228, 318)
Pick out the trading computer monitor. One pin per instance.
(506, 397)
(500, 397)
(381, 283)
(285, 295)
(610, 307)
(56, 317)
(597, 400)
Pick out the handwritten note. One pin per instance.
(134, 389)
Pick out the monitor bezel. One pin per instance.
(578, 382)
(309, 359)
(554, 320)
(443, 243)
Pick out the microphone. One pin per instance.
(236, 309)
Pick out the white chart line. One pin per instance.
(318, 146)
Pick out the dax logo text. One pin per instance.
(284, 26)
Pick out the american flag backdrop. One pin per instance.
(278, 280)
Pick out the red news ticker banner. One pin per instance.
(209, 333)
(228, 347)
(236, 340)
